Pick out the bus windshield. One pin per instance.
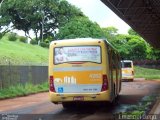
(77, 54)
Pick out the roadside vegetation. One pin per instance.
(147, 73)
(23, 90)
(142, 109)
(20, 53)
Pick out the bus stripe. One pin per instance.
(77, 68)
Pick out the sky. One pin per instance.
(100, 13)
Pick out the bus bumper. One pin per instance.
(129, 78)
(88, 97)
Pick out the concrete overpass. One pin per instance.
(142, 15)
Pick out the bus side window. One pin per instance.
(109, 55)
(119, 63)
(114, 60)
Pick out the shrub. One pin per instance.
(47, 41)
(12, 37)
(1, 35)
(33, 42)
(22, 39)
(47, 45)
(43, 44)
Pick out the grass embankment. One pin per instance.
(19, 53)
(23, 90)
(148, 74)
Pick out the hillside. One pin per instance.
(18, 53)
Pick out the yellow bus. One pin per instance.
(127, 70)
(83, 69)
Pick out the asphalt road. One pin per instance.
(38, 106)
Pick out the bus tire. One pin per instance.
(115, 100)
(67, 105)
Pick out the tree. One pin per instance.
(132, 32)
(153, 53)
(110, 33)
(80, 27)
(137, 48)
(41, 16)
(130, 46)
(121, 44)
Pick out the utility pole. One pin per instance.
(43, 16)
(42, 27)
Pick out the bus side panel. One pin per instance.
(108, 70)
(114, 73)
(50, 63)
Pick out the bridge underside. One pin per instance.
(142, 15)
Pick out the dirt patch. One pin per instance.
(18, 102)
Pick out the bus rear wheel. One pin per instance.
(67, 105)
(115, 99)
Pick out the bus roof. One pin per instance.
(86, 40)
(77, 40)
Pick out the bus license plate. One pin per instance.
(78, 98)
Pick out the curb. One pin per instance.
(156, 108)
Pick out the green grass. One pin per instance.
(19, 53)
(22, 90)
(146, 73)
(142, 108)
